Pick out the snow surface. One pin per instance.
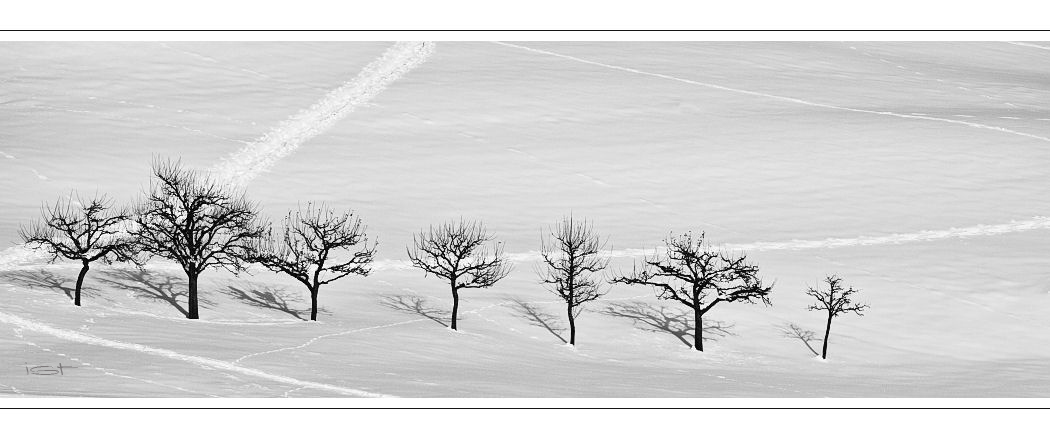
(913, 170)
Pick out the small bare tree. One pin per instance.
(455, 251)
(699, 277)
(836, 300)
(81, 230)
(571, 264)
(196, 221)
(317, 246)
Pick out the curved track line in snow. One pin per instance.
(259, 156)
(78, 337)
(1036, 223)
(322, 337)
(16, 257)
(777, 97)
(1023, 44)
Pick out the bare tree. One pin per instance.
(455, 251)
(80, 230)
(196, 221)
(699, 277)
(836, 300)
(317, 246)
(571, 266)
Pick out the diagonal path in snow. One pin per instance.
(259, 156)
(79, 337)
(778, 97)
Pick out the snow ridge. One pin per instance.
(781, 98)
(200, 361)
(259, 156)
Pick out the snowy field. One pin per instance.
(916, 171)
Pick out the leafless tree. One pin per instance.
(196, 221)
(836, 300)
(455, 251)
(693, 273)
(572, 263)
(317, 246)
(79, 229)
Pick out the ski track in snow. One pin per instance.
(1023, 44)
(259, 156)
(777, 97)
(82, 338)
(19, 257)
(1036, 223)
(322, 337)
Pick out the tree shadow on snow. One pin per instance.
(267, 297)
(156, 286)
(48, 280)
(663, 319)
(793, 330)
(417, 305)
(538, 318)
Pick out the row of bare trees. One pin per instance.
(574, 257)
(200, 223)
(687, 270)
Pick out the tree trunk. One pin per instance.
(313, 303)
(827, 333)
(80, 283)
(455, 306)
(191, 310)
(572, 327)
(698, 332)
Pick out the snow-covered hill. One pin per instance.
(913, 170)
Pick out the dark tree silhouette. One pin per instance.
(836, 300)
(572, 262)
(81, 230)
(196, 221)
(317, 246)
(455, 251)
(699, 277)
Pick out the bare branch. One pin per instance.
(572, 263)
(455, 251)
(692, 273)
(316, 246)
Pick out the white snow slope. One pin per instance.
(913, 170)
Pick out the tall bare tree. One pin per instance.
(455, 251)
(317, 246)
(572, 262)
(694, 274)
(196, 221)
(79, 229)
(836, 300)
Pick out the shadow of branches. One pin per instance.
(538, 318)
(154, 286)
(267, 297)
(43, 278)
(416, 305)
(793, 330)
(668, 320)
